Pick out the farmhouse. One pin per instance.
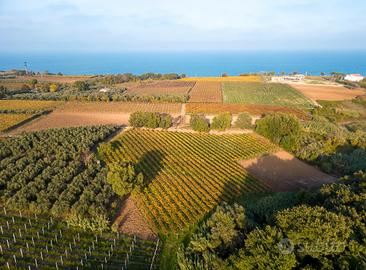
(354, 77)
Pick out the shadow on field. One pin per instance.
(150, 164)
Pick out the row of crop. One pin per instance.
(28, 241)
(190, 173)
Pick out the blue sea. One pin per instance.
(190, 63)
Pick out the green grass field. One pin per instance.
(275, 94)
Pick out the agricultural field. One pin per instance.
(274, 94)
(8, 120)
(79, 114)
(248, 78)
(120, 107)
(206, 92)
(12, 85)
(55, 78)
(188, 173)
(28, 105)
(54, 172)
(212, 109)
(175, 88)
(37, 242)
(328, 92)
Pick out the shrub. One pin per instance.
(244, 121)
(123, 178)
(81, 86)
(150, 120)
(222, 121)
(165, 121)
(199, 123)
(280, 128)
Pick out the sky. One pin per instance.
(186, 25)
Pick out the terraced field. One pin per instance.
(206, 92)
(188, 173)
(8, 120)
(265, 93)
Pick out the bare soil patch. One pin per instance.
(73, 119)
(283, 172)
(328, 92)
(130, 221)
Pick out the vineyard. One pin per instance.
(8, 120)
(44, 243)
(188, 174)
(215, 108)
(120, 107)
(54, 172)
(206, 91)
(28, 105)
(265, 93)
(178, 88)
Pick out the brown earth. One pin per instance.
(73, 119)
(328, 92)
(206, 92)
(283, 172)
(130, 221)
(215, 108)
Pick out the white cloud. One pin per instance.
(190, 24)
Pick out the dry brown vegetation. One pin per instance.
(327, 92)
(55, 78)
(206, 91)
(120, 107)
(34, 105)
(178, 88)
(215, 108)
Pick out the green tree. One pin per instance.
(244, 121)
(221, 121)
(123, 178)
(280, 128)
(265, 249)
(199, 123)
(314, 231)
(33, 83)
(81, 86)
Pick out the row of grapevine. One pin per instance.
(188, 173)
(38, 242)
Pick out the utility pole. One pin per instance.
(25, 67)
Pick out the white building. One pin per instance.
(354, 77)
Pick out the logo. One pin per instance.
(286, 246)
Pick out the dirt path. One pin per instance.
(132, 222)
(283, 172)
